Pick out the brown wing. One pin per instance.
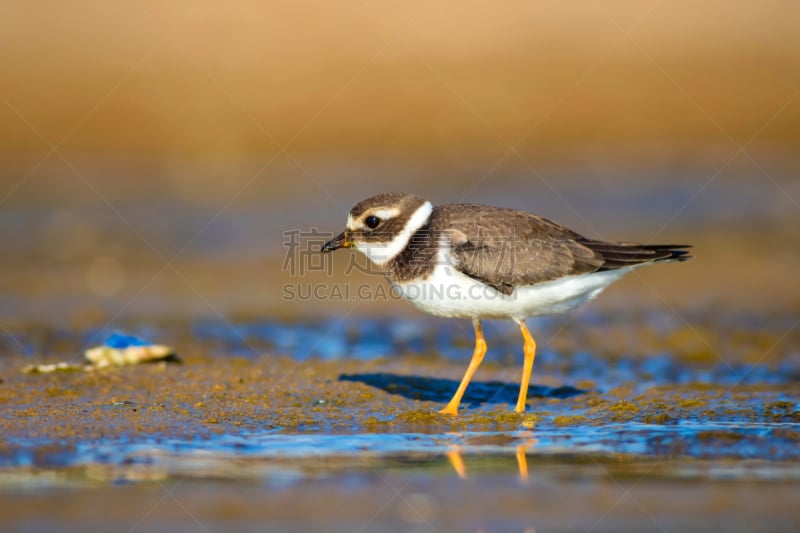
(505, 248)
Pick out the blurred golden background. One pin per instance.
(152, 154)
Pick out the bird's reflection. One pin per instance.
(454, 456)
(521, 453)
(522, 462)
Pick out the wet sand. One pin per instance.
(417, 498)
(345, 436)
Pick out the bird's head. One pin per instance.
(381, 226)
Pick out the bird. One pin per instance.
(481, 262)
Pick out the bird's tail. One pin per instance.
(623, 254)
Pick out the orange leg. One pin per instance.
(529, 348)
(477, 357)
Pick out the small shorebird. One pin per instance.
(476, 261)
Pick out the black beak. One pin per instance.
(342, 241)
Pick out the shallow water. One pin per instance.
(265, 410)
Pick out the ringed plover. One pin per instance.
(476, 261)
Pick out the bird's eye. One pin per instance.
(372, 221)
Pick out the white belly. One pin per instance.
(448, 292)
